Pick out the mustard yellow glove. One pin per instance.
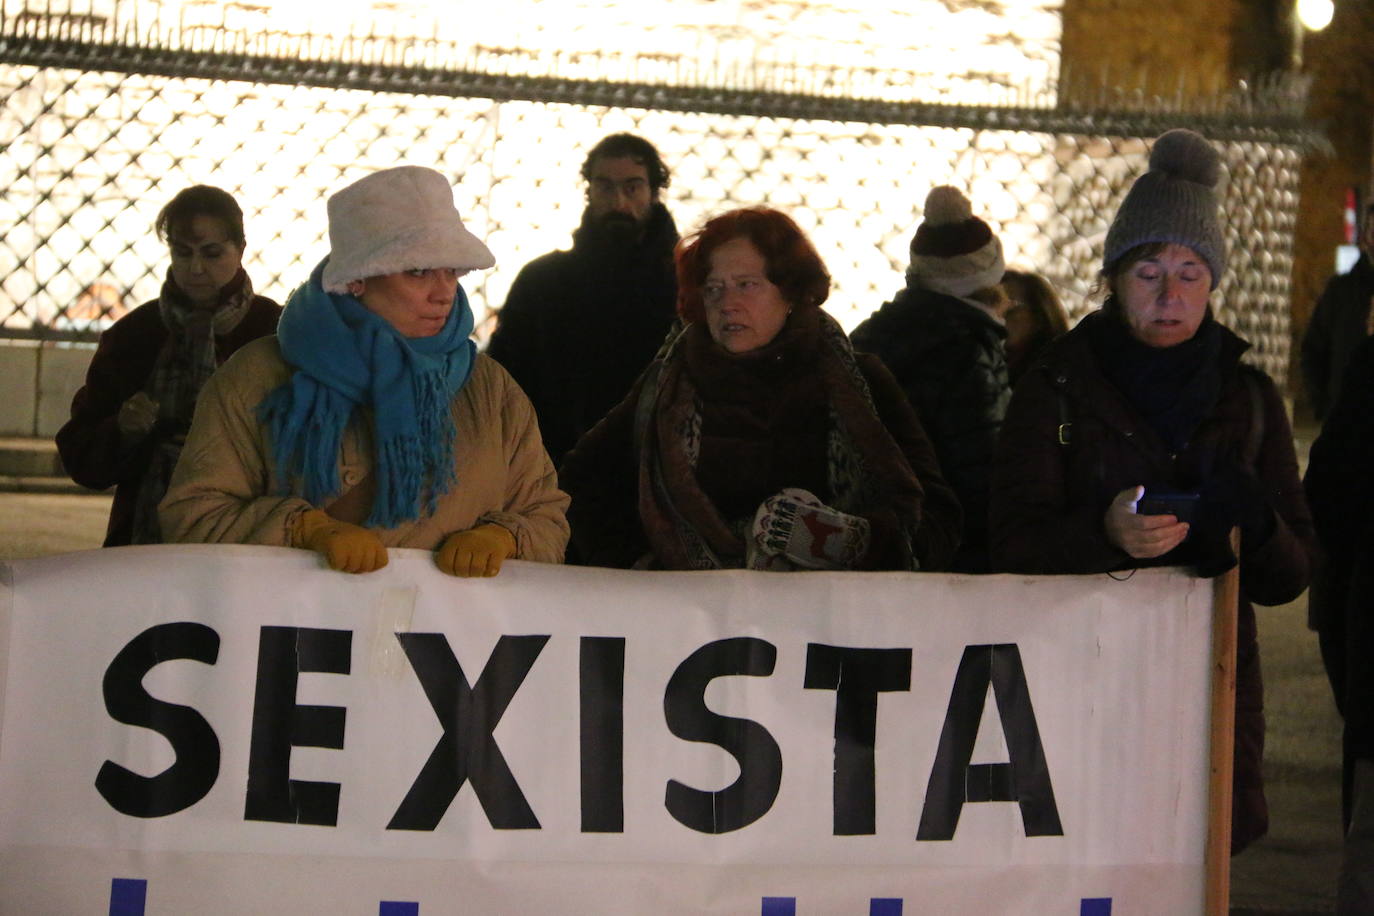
(476, 552)
(345, 547)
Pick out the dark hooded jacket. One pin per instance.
(1049, 499)
(950, 359)
(1340, 321)
(579, 326)
(1340, 488)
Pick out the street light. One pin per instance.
(1315, 15)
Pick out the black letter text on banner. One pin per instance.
(601, 673)
(857, 676)
(1025, 779)
(750, 796)
(467, 751)
(193, 741)
(279, 724)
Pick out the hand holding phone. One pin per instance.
(1137, 532)
(1181, 504)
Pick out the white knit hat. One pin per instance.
(953, 251)
(397, 219)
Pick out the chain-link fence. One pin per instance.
(96, 134)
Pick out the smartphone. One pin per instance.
(1182, 504)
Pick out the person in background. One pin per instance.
(758, 438)
(1340, 490)
(130, 418)
(943, 338)
(1341, 320)
(1141, 439)
(1034, 317)
(579, 326)
(370, 421)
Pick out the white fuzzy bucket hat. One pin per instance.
(397, 219)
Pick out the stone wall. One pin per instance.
(1340, 60)
(38, 381)
(1157, 45)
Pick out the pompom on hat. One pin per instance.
(953, 251)
(1175, 202)
(401, 218)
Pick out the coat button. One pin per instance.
(350, 477)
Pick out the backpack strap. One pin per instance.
(1064, 432)
(1253, 442)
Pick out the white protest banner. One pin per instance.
(238, 730)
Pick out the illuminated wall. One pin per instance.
(88, 165)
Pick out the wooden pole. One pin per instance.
(1225, 594)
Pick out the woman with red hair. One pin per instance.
(758, 438)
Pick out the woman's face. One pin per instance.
(1022, 326)
(414, 302)
(204, 259)
(744, 310)
(1164, 296)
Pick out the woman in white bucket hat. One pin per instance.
(370, 420)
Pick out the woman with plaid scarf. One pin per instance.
(130, 419)
(758, 438)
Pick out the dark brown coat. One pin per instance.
(89, 442)
(602, 472)
(1048, 503)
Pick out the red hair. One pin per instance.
(794, 267)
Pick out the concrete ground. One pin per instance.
(1293, 869)
(1291, 872)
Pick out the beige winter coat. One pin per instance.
(224, 489)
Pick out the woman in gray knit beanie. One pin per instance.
(1141, 439)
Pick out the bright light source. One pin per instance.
(1315, 15)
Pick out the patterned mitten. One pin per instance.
(796, 526)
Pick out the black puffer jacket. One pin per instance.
(579, 326)
(950, 359)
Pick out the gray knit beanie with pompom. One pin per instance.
(1173, 202)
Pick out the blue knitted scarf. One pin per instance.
(345, 357)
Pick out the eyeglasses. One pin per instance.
(607, 187)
